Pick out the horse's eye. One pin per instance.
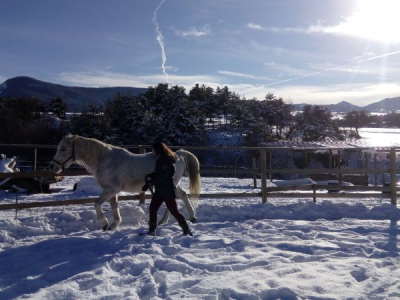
(62, 149)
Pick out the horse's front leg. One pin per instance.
(182, 195)
(106, 195)
(117, 215)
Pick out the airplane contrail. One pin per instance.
(160, 39)
(331, 69)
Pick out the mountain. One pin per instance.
(342, 107)
(387, 104)
(74, 97)
(77, 97)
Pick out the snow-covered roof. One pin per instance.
(350, 144)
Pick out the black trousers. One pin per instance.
(171, 205)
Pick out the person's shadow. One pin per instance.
(27, 269)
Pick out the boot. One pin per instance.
(185, 228)
(152, 228)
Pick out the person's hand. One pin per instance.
(145, 187)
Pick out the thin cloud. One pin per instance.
(258, 27)
(193, 31)
(120, 41)
(285, 69)
(235, 74)
(255, 26)
(109, 79)
(334, 68)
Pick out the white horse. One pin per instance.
(116, 169)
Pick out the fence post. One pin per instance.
(314, 194)
(263, 154)
(305, 159)
(340, 175)
(141, 194)
(34, 159)
(291, 163)
(375, 174)
(270, 165)
(330, 164)
(393, 179)
(255, 173)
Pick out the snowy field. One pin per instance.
(380, 136)
(242, 249)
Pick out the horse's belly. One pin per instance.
(133, 188)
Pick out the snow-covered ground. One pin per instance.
(241, 249)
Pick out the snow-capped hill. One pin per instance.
(3, 87)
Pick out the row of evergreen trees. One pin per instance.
(168, 113)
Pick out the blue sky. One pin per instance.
(313, 51)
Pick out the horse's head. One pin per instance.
(65, 155)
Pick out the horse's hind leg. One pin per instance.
(164, 219)
(182, 195)
(117, 216)
(98, 205)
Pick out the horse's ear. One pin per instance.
(71, 136)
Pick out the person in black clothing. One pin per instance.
(165, 191)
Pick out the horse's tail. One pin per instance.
(193, 170)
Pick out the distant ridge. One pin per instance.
(75, 97)
(386, 105)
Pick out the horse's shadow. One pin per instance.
(27, 269)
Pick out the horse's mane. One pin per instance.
(94, 148)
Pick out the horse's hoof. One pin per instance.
(193, 220)
(112, 227)
(105, 227)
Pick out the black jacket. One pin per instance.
(163, 177)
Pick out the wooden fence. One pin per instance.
(302, 191)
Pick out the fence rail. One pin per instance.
(262, 172)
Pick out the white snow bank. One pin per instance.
(301, 181)
(5, 165)
(241, 249)
(88, 184)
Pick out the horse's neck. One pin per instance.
(88, 153)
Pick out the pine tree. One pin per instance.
(315, 123)
(58, 107)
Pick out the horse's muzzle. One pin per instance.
(55, 168)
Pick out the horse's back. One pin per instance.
(125, 169)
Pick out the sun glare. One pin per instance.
(375, 20)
